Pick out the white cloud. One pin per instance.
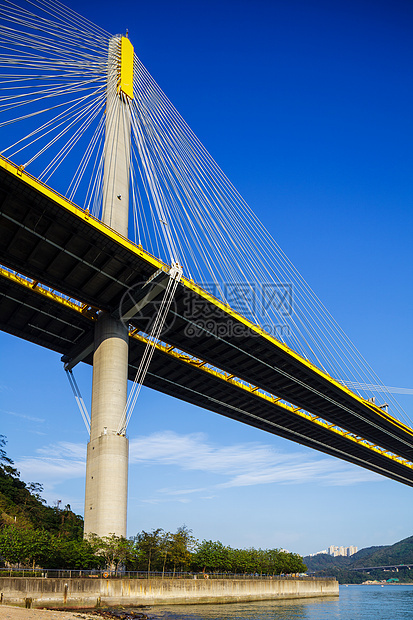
(64, 450)
(194, 452)
(24, 416)
(243, 464)
(181, 491)
(298, 471)
(55, 464)
(237, 465)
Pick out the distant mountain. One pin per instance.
(387, 555)
(323, 561)
(399, 553)
(366, 552)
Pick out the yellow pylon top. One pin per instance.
(125, 85)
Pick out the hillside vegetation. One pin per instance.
(22, 505)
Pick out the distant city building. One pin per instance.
(343, 551)
(336, 551)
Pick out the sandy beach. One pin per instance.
(8, 612)
(19, 613)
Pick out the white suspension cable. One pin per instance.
(175, 275)
(79, 400)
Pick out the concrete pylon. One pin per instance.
(107, 452)
(115, 208)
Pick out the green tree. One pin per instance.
(241, 561)
(211, 556)
(164, 550)
(182, 543)
(12, 544)
(4, 459)
(114, 550)
(149, 549)
(72, 553)
(22, 546)
(38, 547)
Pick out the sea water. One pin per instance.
(370, 602)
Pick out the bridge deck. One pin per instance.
(53, 242)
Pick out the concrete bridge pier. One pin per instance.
(107, 451)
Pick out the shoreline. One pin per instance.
(11, 612)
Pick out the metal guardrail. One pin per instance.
(107, 574)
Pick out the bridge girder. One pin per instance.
(54, 242)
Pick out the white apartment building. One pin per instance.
(335, 551)
(343, 551)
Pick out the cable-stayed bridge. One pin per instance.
(191, 296)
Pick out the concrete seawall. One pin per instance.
(84, 592)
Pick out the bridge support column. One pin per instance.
(107, 453)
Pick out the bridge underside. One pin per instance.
(233, 368)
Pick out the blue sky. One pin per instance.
(306, 106)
